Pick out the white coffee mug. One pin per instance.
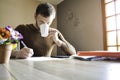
(44, 30)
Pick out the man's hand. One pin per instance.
(53, 33)
(25, 53)
(60, 41)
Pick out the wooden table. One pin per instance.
(45, 68)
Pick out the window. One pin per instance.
(111, 24)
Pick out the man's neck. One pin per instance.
(36, 26)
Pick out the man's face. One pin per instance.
(43, 20)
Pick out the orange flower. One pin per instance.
(4, 33)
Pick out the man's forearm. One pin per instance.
(68, 48)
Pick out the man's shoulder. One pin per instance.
(23, 26)
(54, 29)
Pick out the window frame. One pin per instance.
(105, 32)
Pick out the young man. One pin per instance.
(40, 38)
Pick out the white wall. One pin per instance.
(80, 21)
(15, 12)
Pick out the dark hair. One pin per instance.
(45, 9)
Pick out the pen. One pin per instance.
(23, 44)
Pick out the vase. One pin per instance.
(5, 53)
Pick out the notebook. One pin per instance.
(97, 55)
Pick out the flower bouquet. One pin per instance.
(8, 38)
